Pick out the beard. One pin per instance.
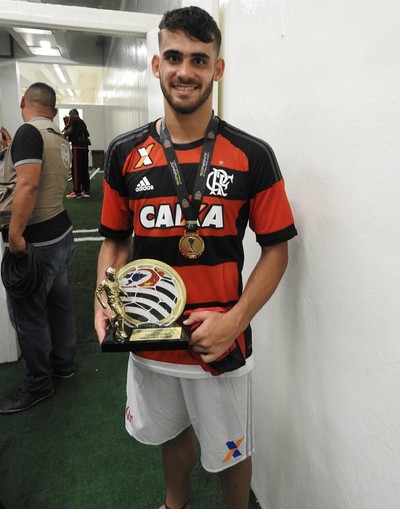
(183, 107)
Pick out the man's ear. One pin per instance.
(219, 69)
(155, 66)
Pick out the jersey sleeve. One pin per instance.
(270, 217)
(27, 146)
(116, 216)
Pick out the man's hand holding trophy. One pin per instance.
(148, 298)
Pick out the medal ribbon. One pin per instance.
(190, 209)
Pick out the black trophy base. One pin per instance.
(140, 339)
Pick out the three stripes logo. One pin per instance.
(144, 185)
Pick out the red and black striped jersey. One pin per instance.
(244, 187)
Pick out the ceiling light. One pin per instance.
(70, 92)
(31, 31)
(59, 72)
(44, 52)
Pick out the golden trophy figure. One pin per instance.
(148, 298)
(113, 290)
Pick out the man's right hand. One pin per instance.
(5, 137)
(101, 324)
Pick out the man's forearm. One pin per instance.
(261, 284)
(24, 200)
(23, 204)
(215, 332)
(113, 253)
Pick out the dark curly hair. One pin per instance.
(195, 22)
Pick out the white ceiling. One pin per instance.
(83, 83)
(82, 52)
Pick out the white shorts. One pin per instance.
(159, 407)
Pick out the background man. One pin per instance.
(188, 185)
(44, 320)
(5, 138)
(76, 132)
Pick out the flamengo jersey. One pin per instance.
(244, 187)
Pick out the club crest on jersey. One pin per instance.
(144, 156)
(218, 181)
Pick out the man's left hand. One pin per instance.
(212, 334)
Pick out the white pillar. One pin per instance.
(9, 348)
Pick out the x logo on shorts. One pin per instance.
(233, 449)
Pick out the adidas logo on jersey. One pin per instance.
(144, 185)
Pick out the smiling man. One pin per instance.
(187, 186)
(187, 74)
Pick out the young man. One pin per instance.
(203, 393)
(40, 229)
(76, 132)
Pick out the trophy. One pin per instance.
(148, 298)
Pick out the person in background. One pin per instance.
(188, 185)
(5, 138)
(76, 132)
(40, 229)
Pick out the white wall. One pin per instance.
(10, 117)
(320, 82)
(10, 96)
(9, 348)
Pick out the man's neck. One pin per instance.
(187, 128)
(29, 113)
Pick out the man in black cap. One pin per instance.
(76, 132)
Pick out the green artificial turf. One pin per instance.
(71, 451)
(85, 215)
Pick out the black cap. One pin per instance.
(74, 111)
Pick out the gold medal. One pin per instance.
(191, 245)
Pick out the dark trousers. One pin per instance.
(80, 169)
(45, 323)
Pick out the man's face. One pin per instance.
(187, 69)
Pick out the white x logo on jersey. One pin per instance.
(144, 153)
